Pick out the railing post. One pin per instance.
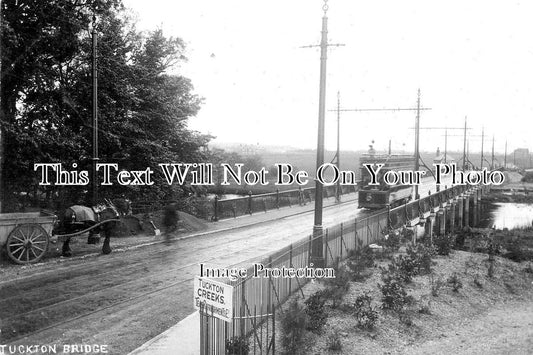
(356, 237)
(242, 307)
(342, 239)
(249, 202)
(215, 217)
(309, 243)
(277, 198)
(388, 218)
(290, 265)
(326, 249)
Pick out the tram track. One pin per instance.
(68, 262)
(81, 296)
(121, 290)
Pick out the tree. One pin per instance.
(46, 97)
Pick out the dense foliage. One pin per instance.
(47, 89)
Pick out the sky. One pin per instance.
(469, 59)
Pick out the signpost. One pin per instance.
(215, 298)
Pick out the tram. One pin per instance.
(383, 195)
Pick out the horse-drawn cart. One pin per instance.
(26, 235)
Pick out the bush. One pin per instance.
(455, 282)
(405, 319)
(518, 253)
(425, 308)
(477, 281)
(334, 341)
(293, 325)
(435, 285)
(443, 244)
(358, 262)
(394, 294)
(237, 346)
(316, 314)
(490, 270)
(391, 243)
(365, 314)
(402, 268)
(406, 235)
(528, 269)
(422, 256)
(337, 287)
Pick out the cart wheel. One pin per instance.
(27, 243)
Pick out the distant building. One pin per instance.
(443, 158)
(521, 158)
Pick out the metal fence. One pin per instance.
(255, 296)
(247, 205)
(217, 209)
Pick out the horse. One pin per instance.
(77, 218)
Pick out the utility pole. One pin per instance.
(482, 140)
(464, 148)
(1, 129)
(338, 188)
(505, 157)
(467, 153)
(445, 145)
(417, 141)
(492, 157)
(317, 252)
(94, 111)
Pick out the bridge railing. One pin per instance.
(247, 205)
(261, 296)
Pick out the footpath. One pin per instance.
(184, 337)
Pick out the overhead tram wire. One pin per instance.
(417, 124)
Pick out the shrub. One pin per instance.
(435, 285)
(528, 269)
(490, 270)
(334, 341)
(425, 305)
(237, 346)
(518, 253)
(293, 325)
(341, 279)
(391, 243)
(365, 314)
(477, 281)
(455, 282)
(402, 268)
(316, 314)
(405, 319)
(443, 244)
(358, 262)
(394, 294)
(422, 256)
(406, 235)
(425, 308)
(337, 287)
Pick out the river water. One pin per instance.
(511, 215)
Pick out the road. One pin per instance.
(124, 299)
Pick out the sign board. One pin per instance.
(215, 297)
